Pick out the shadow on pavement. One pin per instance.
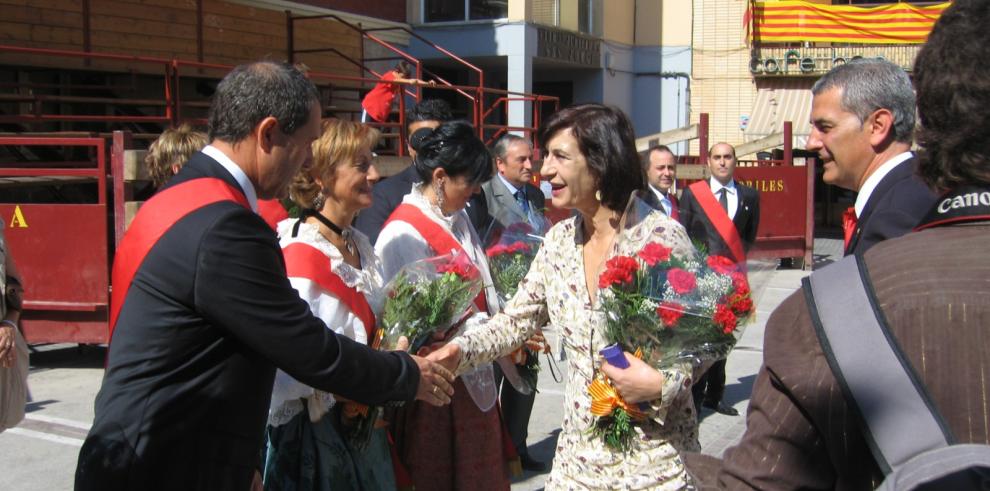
(739, 391)
(544, 451)
(47, 357)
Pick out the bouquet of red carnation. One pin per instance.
(426, 298)
(667, 308)
(510, 254)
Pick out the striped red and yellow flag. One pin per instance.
(796, 21)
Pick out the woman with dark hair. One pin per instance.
(592, 166)
(458, 446)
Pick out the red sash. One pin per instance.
(720, 219)
(156, 216)
(305, 261)
(438, 239)
(272, 211)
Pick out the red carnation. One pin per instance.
(681, 281)
(496, 250)
(740, 283)
(618, 270)
(741, 304)
(460, 267)
(670, 313)
(517, 247)
(722, 264)
(654, 253)
(725, 318)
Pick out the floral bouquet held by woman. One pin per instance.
(666, 309)
(510, 254)
(423, 301)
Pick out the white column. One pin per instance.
(519, 77)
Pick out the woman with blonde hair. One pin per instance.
(170, 151)
(335, 270)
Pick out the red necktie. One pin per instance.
(674, 212)
(848, 225)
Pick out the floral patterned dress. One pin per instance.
(554, 290)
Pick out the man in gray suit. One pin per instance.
(512, 198)
(802, 432)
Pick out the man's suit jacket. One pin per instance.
(650, 197)
(387, 195)
(209, 316)
(699, 226)
(801, 433)
(896, 205)
(502, 206)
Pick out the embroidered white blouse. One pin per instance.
(288, 392)
(555, 290)
(399, 243)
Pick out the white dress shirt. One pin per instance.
(237, 172)
(731, 195)
(871, 182)
(668, 206)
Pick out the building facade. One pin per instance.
(626, 53)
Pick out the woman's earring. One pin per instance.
(319, 201)
(438, 191)
(598, 195)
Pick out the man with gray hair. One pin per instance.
(862, 119)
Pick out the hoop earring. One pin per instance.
(438, 191)
(598, 195)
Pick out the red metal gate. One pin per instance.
(61, 249)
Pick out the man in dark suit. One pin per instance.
(801, 430)
(738, 210)
(661, 172)
(863, 136)
(512, 198)
(203, 313)
(387, 194)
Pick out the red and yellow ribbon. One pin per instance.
(605, 399)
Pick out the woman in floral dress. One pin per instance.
(457, 447)
(335, 270)
(593, 167)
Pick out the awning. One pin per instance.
(779, 100)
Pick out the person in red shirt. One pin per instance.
(378, 103)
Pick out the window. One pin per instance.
(463, 10)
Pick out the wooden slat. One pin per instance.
(667, 137)
(770, 141)
(134, 168)
(130, 211)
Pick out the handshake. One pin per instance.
(436, 373)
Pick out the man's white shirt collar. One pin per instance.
(512, 189)
(871, 182)
(664, 200)
(730, 195)
(236, 172)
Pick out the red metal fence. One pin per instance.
(62, 250)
